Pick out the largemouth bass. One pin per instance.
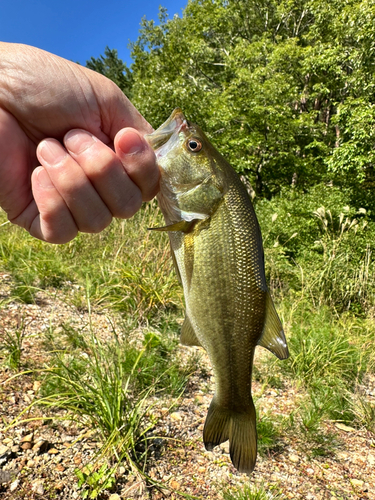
(218, 254)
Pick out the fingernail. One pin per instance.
(77, 141)
(43, 178)
(131, 143)
(51, 151)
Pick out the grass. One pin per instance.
(125, 268)
(251, 492)
(110, 384)
(11, 344)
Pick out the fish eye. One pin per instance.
(194, 145)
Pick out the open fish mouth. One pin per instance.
(170, 129)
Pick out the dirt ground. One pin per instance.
(38, 458)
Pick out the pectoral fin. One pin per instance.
(182, 225)
(188, 336)
(273, 337)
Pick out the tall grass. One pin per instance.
(125, 268)
(319, 247)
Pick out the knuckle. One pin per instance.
(96, 224)
(130, 206)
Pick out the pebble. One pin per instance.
(294, 458)
(114, 496)
(356, 482)
(13, 486)
(38, 487)
(3, 450)
(345, 428)
(176, 415)
(225, 447)
(27, 439)
(53, 451)
(5, 454)
(175, 484)
(121, 471)
(26, 446)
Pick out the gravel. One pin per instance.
(39, 457)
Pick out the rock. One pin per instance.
(53, 451)
(13, 486)
(15, 449)
(345, 428)
(37, 487)
(114, 496)
(60, 486)
(5, 454)
(121, 471)
(3, 450)
(174, 484)
(36, 385)
(176, 416)
(225, 447)
(26, 446)
(27, 439)
(357, 483)
(5, 476)
(41, 446)
(294, 458)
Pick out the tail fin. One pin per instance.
(240, 428)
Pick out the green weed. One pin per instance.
(11, 344)
(92, 480)
(268, 433)
(251, 492)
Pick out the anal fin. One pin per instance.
(273, 337)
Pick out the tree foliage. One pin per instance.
(111, 66)
(285, 89)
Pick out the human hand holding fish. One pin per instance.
(72, 152)
(217, 250)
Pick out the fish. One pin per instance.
(217, 250)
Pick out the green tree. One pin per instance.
(111, 66)
(283, 88)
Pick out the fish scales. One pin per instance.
(217, 249)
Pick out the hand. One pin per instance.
(72, 152)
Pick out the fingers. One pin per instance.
(82, 186)
(139, 161)
(84, 203)
(52, 220)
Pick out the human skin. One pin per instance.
(72, 151)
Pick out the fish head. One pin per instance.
(191, 183)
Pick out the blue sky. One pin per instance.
(79, 29)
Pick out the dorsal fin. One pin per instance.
(273, 337)
(188, 336)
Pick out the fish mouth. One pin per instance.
(174, 125)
